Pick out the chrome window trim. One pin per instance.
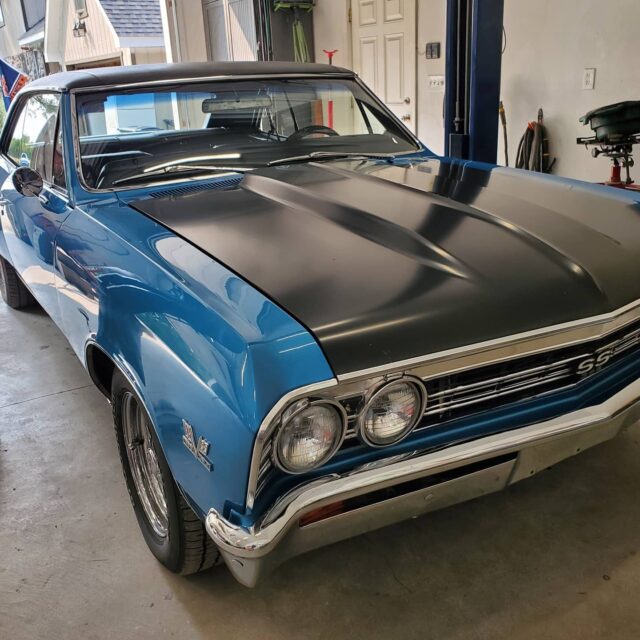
(218, 78)
(446, 362)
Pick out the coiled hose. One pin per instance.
(533, 149)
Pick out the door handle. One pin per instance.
(406, 117)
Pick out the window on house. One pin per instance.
(81, 8)
(33, 12)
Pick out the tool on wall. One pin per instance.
(503, 120)
(617, 130)
(300, 46)
(533, 149)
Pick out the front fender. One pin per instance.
(198, 343)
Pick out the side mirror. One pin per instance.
(27, 182)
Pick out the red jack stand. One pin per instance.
(330, 54)
(615, 180)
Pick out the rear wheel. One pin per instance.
(13, 290)
(173, 532)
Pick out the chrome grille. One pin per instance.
(494, 386)
(467, 395)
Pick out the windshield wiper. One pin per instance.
(333, 155)
(178, 168)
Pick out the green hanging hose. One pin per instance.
(300, 46)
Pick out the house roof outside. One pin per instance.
(132, 18)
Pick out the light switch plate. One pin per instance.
(435, 83)
(589, 79)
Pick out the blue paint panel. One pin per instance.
(199, 342)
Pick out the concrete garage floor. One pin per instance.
(553, 557)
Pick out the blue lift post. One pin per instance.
(472, 78)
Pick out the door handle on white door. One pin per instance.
(407, 100)
(406, 117)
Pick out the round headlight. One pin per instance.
(310, 436)
(391, 413)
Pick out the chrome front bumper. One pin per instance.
(519, 454)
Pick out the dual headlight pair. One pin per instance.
(313, 430)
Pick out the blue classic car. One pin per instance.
(308, 325)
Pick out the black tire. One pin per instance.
(13, 290)
(185, 548)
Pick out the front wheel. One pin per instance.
(173, 532)
(13, 290)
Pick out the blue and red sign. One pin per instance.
(12, 81)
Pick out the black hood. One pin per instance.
(383, 263)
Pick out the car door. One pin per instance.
(30, 223)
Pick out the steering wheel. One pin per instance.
(310, 130)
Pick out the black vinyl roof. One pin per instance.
(149, 73)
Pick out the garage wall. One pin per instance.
(431, 28)
(332, 30)
(549, 43)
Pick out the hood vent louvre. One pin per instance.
(225, 183)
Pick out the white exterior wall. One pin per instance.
(100, 42)
(13, 28)
(184, 30)
(148, 55)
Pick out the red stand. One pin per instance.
(330, 54)
(615, 180)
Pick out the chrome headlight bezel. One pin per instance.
(375, 394)
(290, 413)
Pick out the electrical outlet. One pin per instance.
(435, 83)
(589, 79)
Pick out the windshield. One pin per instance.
(136, 136)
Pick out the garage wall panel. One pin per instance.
(549, 44)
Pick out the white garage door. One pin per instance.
(384, 52)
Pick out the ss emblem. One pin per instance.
(594, 363)
(199, 448)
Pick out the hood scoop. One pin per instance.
(229, 182)
(383, 232)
